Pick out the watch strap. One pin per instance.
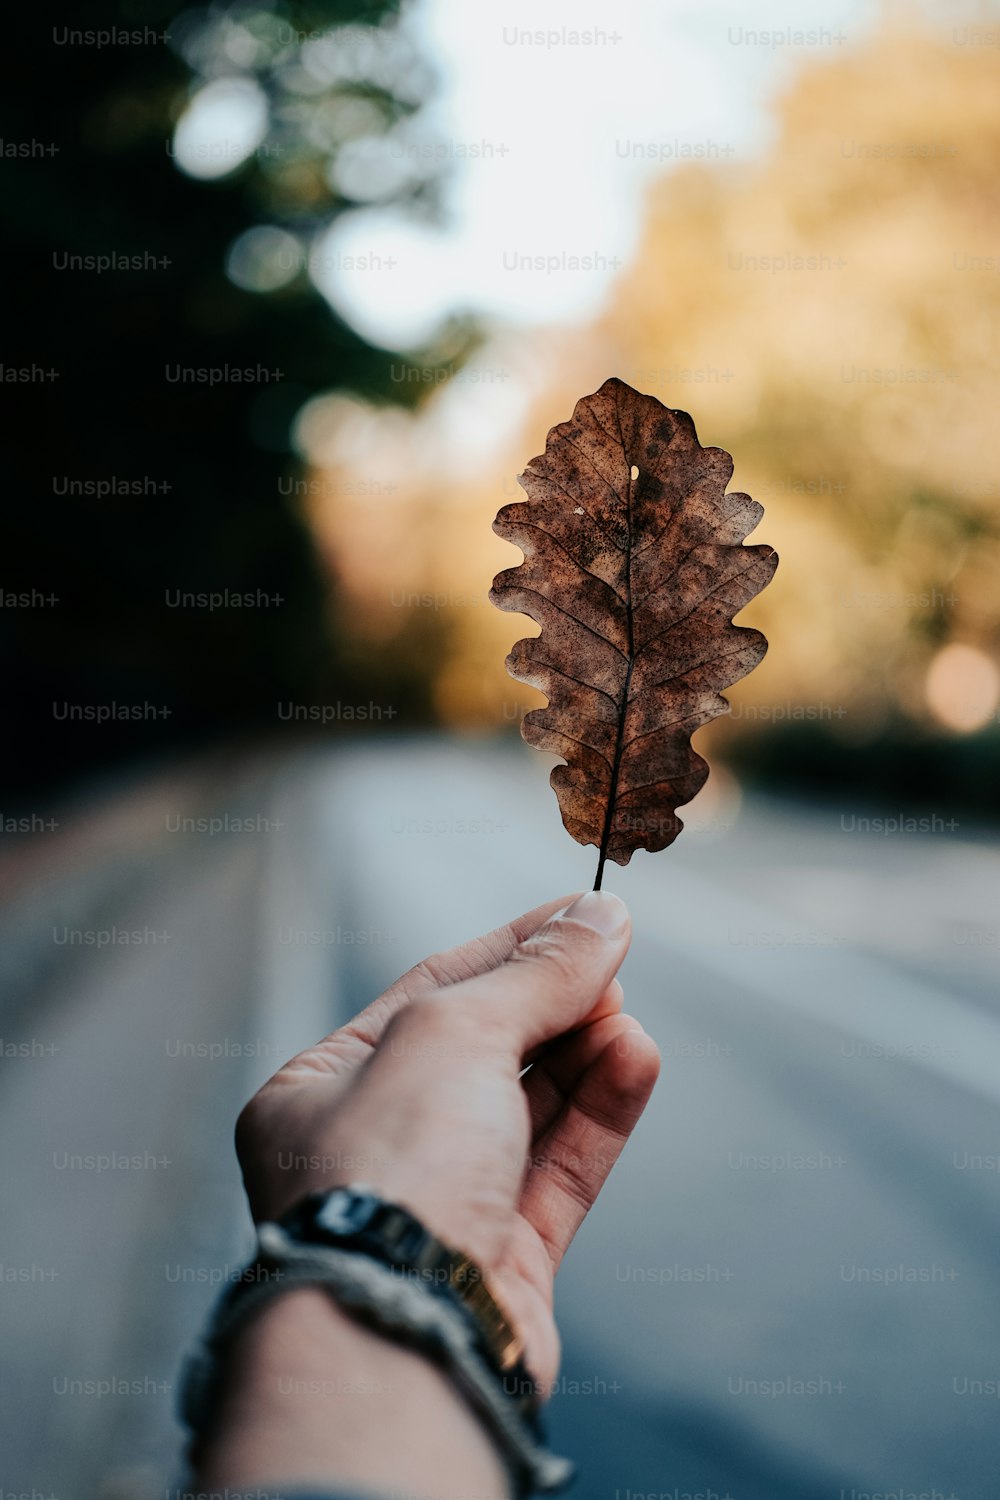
(396, 1306)
(355, 1218)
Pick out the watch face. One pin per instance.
(345, 1211)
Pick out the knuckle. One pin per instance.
(425, 977)
(427, 1018)
(248, 1126)
(450, 1025)
(431, 1012)
(561, 961)
(574, 1177)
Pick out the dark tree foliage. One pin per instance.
(98, 178)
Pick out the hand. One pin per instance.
(420, 1098)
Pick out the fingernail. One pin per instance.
(600, 911)
(621, 1042)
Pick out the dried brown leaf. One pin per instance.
(634, 568)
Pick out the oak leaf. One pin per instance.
(634, 568)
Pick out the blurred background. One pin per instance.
(297, 291)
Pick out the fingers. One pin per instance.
(351, 1043)
(557, 1070)
(553, 978)
(609, 1004)
(572, 1159)
(481, 954)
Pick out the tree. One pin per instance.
(142, 476)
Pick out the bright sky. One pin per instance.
(553, 117)
(561, 128)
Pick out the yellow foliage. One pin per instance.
(829, 315)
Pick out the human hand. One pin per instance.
(420, 1098)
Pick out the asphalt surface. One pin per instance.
(789, 1289)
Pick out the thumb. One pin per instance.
(553, 979)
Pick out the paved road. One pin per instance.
(789, 1291)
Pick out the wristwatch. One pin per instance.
(355, 1218)
(382, 1266)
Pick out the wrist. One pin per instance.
(313, 1397)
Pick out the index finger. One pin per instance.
(353, 1041)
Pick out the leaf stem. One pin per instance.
(615, 769)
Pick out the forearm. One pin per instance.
(313, 1398)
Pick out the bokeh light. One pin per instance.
(963, 687)
(264, 258)
(224, 124)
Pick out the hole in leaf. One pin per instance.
(635, 472)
